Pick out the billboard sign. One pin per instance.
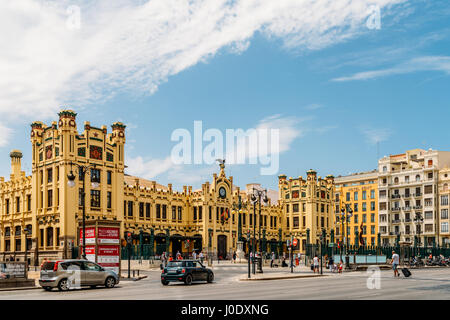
(108, 235)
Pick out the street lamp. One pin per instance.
(418, 219)
(82, 171)
(27, 232)
(257, 197)
(346, 214)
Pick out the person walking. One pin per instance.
(163, 260)
(194, 255)
(341, 266)
(331, 264)
(201, 256)
(316, 264)
(395, 262)
(234, 256)
(272, 259)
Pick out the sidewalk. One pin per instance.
(283, 273)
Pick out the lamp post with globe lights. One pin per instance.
(95, 182)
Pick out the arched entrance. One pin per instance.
(160, 240)
(177, 244)
(221, 247)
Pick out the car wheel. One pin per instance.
(63, 285)
(188, 279)
(164, 282)
(210, 277)
(47, 288)
(110, 282)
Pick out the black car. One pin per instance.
(186, 271)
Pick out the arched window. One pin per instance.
(384, 169)
(418, 178)
(396, 180)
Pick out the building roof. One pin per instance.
(131, 180)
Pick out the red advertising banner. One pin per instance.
(108, 257)
(90, 235)
(90, 252)
(108, 235)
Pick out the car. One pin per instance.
(186, 271)
(75, 273)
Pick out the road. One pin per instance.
(424, 284)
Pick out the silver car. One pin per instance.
(72, 274)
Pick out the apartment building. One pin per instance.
(360, 191)
(408, 196)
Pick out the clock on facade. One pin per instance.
(222, 192)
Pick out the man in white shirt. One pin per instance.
(395, 262)
(316, 264)
(194, 255)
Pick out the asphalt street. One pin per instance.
(424, 284)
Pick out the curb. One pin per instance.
(19, 288)
(282, 278)
(133, 279)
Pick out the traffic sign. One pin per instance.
(294, 242)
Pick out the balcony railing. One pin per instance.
(406, 208)
(408, 220)
(396, 196)
(417, 207)
(396, 221)
(396, 209)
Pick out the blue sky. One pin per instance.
(336, 92)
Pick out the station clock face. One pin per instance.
(222, 192)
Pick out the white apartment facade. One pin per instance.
(409, 196)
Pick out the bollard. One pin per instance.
(133, 273)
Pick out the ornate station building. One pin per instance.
(41, 214)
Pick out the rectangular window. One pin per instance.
(347, 196)
(174, 213)
(295, 207)
(444, 227)
(7, 206)
(428, 228)
(355, 207)
(383, 206)
(382, 193)
(80, 197)
(141, 210)
(108, 200)
(355, 194)
(372, 194)
(444, 200)
(287, 208)
(295, 222)
(130, 209)
(322, 222)
(29, 202)
(428, 189)
(364, 218)
(180, 213)
(49, 198)
(287, 222)
(372, 217)
(200, 213)
(50, 237)
(95, 175)
(210, 213)
(444, 214)
(372, 229)
(372, 206)
(356, 218)
(158, 211)
(428, 202)
(147, 210)
(364, 195)
(164, 212)
(304, 221)
(428, 215)
(49, 175)
(195, 213)
(17, 204)
(95, 198)
(322, 208)
(109, 177)
(41, 232)
(364, 207)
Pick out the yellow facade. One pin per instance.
(307, 207)
(206, 219)
(360, 191)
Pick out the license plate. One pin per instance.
(172, 271)
(44, 276)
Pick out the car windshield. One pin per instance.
(175, 264)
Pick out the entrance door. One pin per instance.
(176, 247)
(222, 247)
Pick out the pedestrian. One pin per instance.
(316, 264)
(272, 259)
(395, 262)
(331, 263)
(194, 255)
(201, 256)
(341, 266)
(170, 257)
(234, 256)
(163, 259)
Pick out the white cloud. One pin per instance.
(148, 169)
(136, 45)
(5, 135)
(428, 63)
(313, 107)
(375, 135)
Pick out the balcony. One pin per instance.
(406, 195)
(394, 233)
(417, 207)
(408, 220)
(396, 209)
(396, 221)
(396, 196)
(406, 208)
(417, 194)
